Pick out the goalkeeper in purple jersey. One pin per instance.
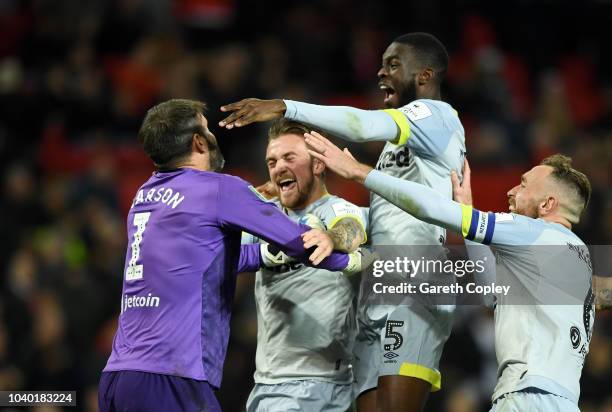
(184, 230)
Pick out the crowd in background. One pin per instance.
(76, 78)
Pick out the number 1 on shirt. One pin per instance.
(134, 271)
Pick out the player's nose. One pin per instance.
(279, 167)
(382, 73)
(512, 191)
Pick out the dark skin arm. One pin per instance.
(248, 111)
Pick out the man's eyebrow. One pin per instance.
(289, 153)
(393, 56)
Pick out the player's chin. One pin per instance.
(389, 102)
(288, 200)
(392, 101)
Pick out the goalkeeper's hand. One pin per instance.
(360, 260)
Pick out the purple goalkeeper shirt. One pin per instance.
(184, 230)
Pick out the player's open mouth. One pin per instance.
(389, 92)
(286, 185)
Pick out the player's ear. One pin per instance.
(199, 143)
(425, 76)
(318, 167)
(548, 205)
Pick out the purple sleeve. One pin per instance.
(250, 258)
(242, 209)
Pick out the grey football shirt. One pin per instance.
(306, 316)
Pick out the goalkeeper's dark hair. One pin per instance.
(428, 50)
(575, 181)
(167, 131)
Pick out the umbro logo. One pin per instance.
(390, 355)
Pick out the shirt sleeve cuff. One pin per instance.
(373, 178)
(291, 110)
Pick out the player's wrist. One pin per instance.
(361, 172)
(279, 106)
(272, 256)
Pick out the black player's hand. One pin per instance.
(247, 111)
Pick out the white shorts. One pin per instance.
(408, 341)
(300, 395)
(533, 402)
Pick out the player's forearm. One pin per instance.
(250, 258)
(420, 201)
(286, 235)
(241, 209)
(347, 235)
(349, 123)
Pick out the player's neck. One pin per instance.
(558, 219)
(317, 192)
(430, 93)
(201, 163)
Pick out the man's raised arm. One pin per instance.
(349, 123)
(420, 201)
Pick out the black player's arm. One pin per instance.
(347, 234)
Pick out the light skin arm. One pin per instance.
(462, 190)
(341, 162)
(345, 236)
(420, 201)
(268, 190)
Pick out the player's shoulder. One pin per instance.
(230, 182)
(427, 108)
(233, 187)
(539, 231)
(336, 203)
(333, 200)
(224, 178)
(555, 233)
(527, 224)
(338, 208)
